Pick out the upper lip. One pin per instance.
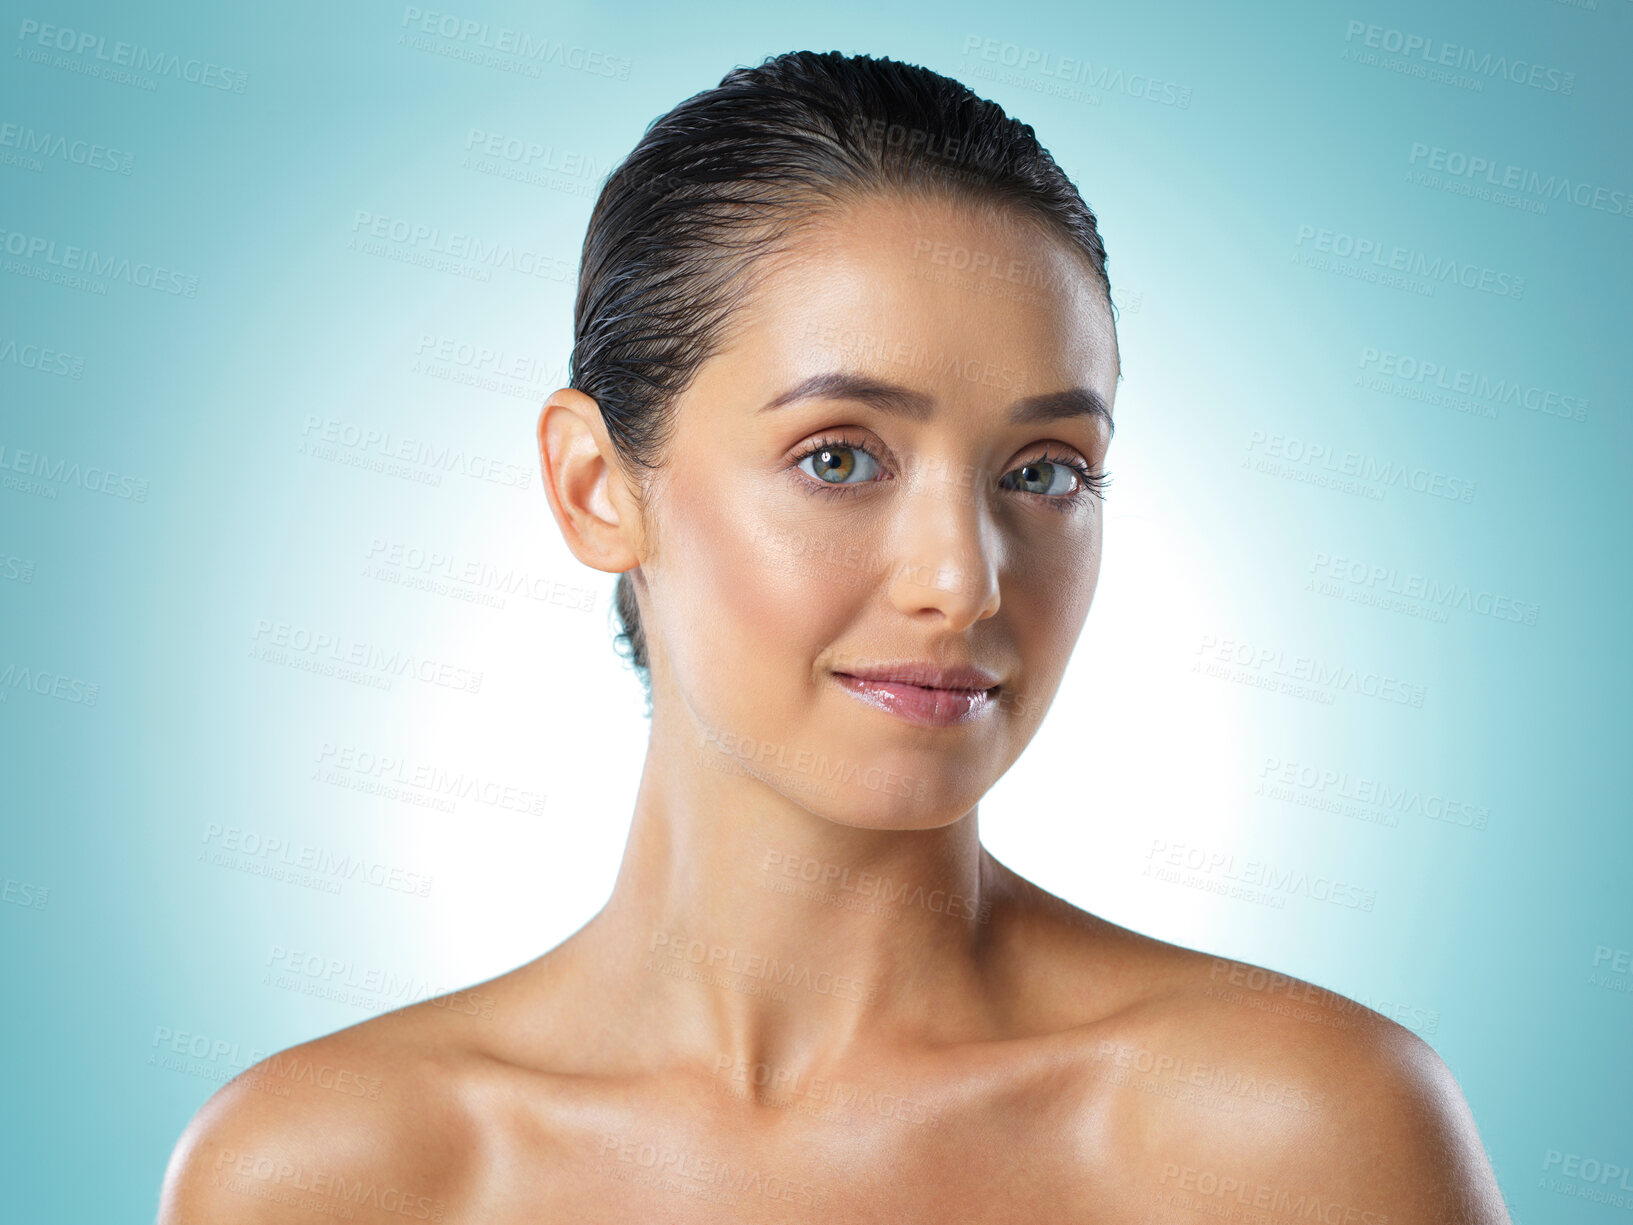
(927, 676)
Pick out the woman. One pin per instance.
(842, 390)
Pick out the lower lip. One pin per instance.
(917, 704)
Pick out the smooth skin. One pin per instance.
(756, 1026)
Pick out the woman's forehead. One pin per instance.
(897, 276)
(927, 286)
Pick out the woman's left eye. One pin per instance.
(1055, 477)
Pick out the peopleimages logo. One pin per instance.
(46, 360)
(1100, 77)
(429, 241)
(1256, 873)
(872, 885)
(519, 43)
(1464, 59)
(388, 770)
(47, 684)
(1280, 779)
(79, 152)
(275, 638)
(1509, 177)
(1206, 1192)
(1502, 391)
(1373, 253)
(268, 855)
(765, 966)
(131, 55)
(1275, 661)
(1438, 592)
(265, 1177)
(1289, 450)
(812, 762)
(370, 446)
(87, 477)
(71, 258)
(1591, 1170)
(777, 1080)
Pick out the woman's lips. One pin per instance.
(919, 704)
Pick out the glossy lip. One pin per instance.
(926, 676)
(922, 694)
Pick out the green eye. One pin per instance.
(834, 462)
(1053, 474)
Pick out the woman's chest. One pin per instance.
(899, 1161)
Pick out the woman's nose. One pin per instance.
(945, 557)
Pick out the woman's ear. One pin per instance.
(593, 503)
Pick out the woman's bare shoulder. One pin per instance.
(1244, 1087)
(370, 1117)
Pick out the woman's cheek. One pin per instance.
(796, 583)
(756, 575)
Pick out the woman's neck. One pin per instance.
(742, 926)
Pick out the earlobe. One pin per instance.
(584, 483)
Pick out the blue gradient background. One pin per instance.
(1482, 940)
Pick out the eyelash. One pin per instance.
(1088, 482)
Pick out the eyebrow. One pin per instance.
(899, 401)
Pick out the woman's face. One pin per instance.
(928, 526)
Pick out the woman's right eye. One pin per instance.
(835, 463)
